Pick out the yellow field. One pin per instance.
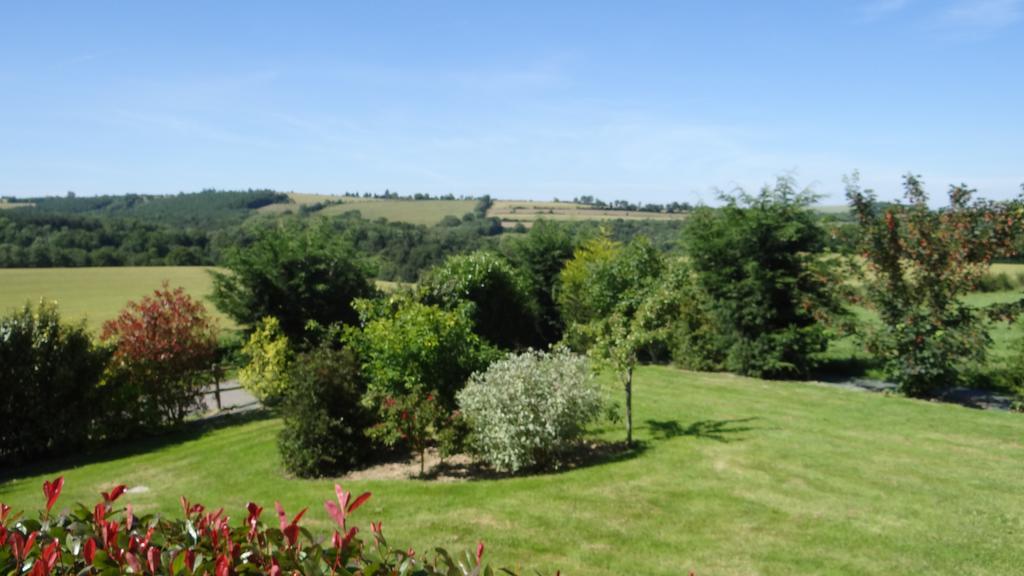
(427, 212)
(512, 212)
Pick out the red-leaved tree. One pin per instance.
(163, 342)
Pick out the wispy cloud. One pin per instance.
(982, 15)
(875, 9)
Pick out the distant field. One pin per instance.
(5, 205)
(526, 211)
(98, 294)
(427, 212)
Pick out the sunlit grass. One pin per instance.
(734, 476)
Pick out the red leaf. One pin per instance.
(52, 491)
(359, 502)
(153, 558)
(479, 551)
(114, 494)
(89, 550)
(336, 513)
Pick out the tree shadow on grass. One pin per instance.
(725, 431)
(192, 430)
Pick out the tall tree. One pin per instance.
(296, 274)
(758, 261)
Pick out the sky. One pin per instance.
(645, 101)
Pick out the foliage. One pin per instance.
(921, 262)
(759, 262)
(504, 311)
(406, 346)
(324, 420)
(295, 274)
(528, 409)
(110, 539)
(414, 419)
(607, 298)
(269, 356)
(605, 275)
(162, 346)
(49, 373)
(541, 254)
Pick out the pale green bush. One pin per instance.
(526, 410)
(266, 374)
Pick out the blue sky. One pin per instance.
(647, 101)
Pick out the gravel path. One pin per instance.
(969, 397)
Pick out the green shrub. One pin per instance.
(324, 421)
(504, 310)
(266, 373)
(406, 346)
(995, 283)
(49, 372)
(526, 410)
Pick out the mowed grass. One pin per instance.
(98, 294)
(734, 476)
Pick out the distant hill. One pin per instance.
(207, 209)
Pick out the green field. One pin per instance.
(98, 294)
(734, 476)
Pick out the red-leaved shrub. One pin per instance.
(110, 539)
(162, 344)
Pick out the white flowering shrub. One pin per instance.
(526, 409)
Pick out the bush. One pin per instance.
(164, 344)
(49, 373)
(111, 539)
(265, 375)
(504, 310)
(324, 421)
(295, 274)
(528, 409)
(406, 346)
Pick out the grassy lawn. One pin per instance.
(98, 294)
(734, 476)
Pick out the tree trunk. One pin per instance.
(629, 406)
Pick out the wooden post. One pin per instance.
(216, 385)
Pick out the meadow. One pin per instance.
(98, 294)
(732, 476)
